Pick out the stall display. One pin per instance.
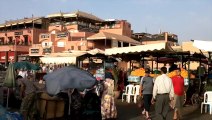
(138, 72)
(134, 79)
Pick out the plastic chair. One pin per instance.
(207, 101)
(137, 91)
(129, 91)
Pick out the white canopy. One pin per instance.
(60, 58)
(203, 45)
(134, 49)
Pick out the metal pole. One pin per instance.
(157, 63)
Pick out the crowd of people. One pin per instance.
(164, 92)
(83, 104)
(87, 104)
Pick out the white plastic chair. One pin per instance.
(137, 91)
(129, 91)
(207, 101)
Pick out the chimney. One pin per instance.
(166, 36)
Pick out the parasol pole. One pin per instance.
(8, 93)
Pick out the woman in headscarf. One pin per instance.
(91, 106)
(108, 107)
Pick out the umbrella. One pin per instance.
(9, 79)
(26, 65)
(68, 77)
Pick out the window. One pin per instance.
(45, 44)
(79, 47)
(72, 47)
(60, 44)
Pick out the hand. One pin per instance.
(153, 101)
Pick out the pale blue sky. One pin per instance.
(189, 19)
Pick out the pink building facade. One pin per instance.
(17, 36)
(72, 31)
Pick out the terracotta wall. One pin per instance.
(121, 28)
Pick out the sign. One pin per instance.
(62, 35)
(11, 57)
(18, 33)
(44, 36)
(34, 51)
(3, 57)
(47, 50)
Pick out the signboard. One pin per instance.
(47, 50)
(34, 51)
(44, 35)
(62, 35)
(18, 33)
(3, 57)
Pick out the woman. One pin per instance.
(146, 90)
(91, 106)
(108, 108)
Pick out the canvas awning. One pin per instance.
(68, 57)
(137, 49)
(112, 36)
(203, 45)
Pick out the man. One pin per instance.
(28, 95)
(178, 83)
(162, 93)
(146, 89)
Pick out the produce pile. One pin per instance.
(138, 72)
(184, 74)
(141, 72)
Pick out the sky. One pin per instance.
(189, 19)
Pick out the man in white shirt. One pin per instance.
(23, 73)
(163, 92)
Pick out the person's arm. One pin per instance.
(171, 94)
(141, 86)
(155, 88)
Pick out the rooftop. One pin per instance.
(37, 20)
(75, 14)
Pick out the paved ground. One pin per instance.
(132, 112)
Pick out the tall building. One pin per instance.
(16, 37)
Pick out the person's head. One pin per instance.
(19, 77)
(178, 71)
(163, 70)
(147, 71)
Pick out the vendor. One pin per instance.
(172, 67)
(28, 96)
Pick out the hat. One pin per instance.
(147, 70)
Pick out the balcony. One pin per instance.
(13, 44)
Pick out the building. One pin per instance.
(146, 38)
(16, 37)
(81, 31)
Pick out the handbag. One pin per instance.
(140, 101)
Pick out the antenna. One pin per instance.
(146, 29)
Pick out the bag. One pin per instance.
(140, 101)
